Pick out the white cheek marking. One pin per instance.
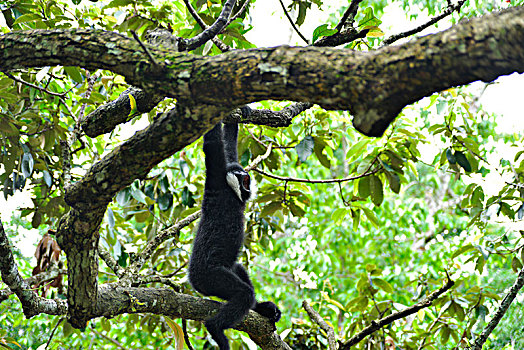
(232, 181)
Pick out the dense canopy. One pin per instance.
(390, 204)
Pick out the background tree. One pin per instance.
(383, 241)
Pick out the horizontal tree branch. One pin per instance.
(373, 86)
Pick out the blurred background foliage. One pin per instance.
(441, 193)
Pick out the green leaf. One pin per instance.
(355, 214)
(184, 168)
(30, 17)
(132, 103)
(123, 196)
(377, 192)
(302, 8)
(338, 215)
(322, 158)
(322, 30)
(450, 156)
(371, 217)
(394, 181)
(369, 18)
(75, 74)
(27, 165)
(463, 161)
(305, 148)
(187, 197)
(357, 304)
(138, 195)
(106, 325)
(383, 284)
(364, 187)
(110, 218)
(165, 201)
(271, 208)
(462, 250)
(516, 265)
(48, 179)
(357, 148)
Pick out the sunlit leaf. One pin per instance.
(178, 332)
(384, 285)
(305, 148)
(27, 165)
(322, 30)
(75, 74)
(48, 179)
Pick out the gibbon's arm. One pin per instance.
(230, 142)
(215, 159)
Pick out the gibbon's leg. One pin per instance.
(225, 284)
(266, 308)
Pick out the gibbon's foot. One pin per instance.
(268, 309)
(217, 334)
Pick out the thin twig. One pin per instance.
(53, 332)
(186, 336)
(315, 317)
(12, 77)
(105, 255)
(239, 13)
(259, 159)
(146, 50)
(219, 43)
(293, 23)
(376, 325)
(113, 341)
(432, 21)
(327, 181)
(214, 29)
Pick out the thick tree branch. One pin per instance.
(214, 29)
(134, 158)
(501, 311)
(115, 301)
(32, 304)
(349, 15)
(374, 87)
(106, 117)
(315, 317)
(221, 46)
(276, 119)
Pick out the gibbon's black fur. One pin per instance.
(213, 270)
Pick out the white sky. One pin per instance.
(271, 28)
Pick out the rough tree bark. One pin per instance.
(373, 86)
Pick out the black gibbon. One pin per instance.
(213, 267)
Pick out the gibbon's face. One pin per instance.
(240, 182)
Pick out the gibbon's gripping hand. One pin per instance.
(268, 309)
